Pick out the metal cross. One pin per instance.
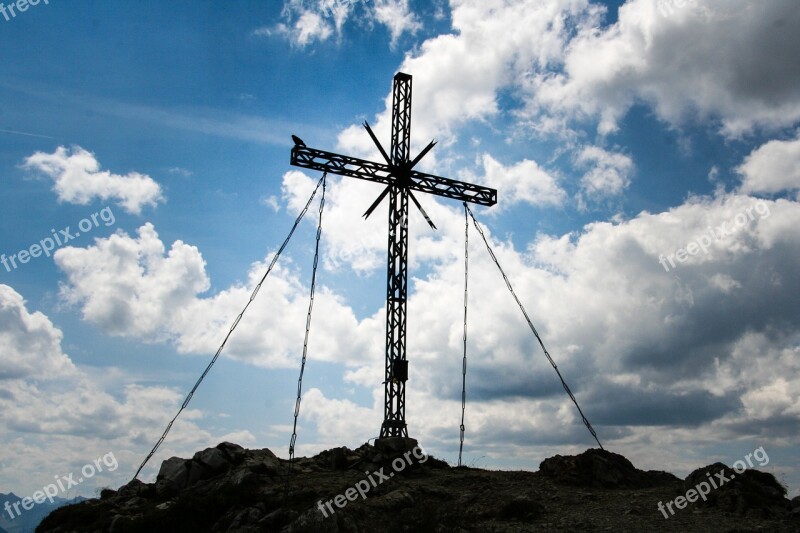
(400, 178)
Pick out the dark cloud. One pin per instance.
(616, 405)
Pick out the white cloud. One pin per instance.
(608, 173)
(310, 27)
(271, 201)
(349, 240)
(183, 172)
(310, 21)
(133, 287)
(708, 59)
(79, 180)
(56, 416)
(340, 421)
(457, 76)
(724, 283)
(772, 167)
(129, 286)
(396, 16)
(31, 345)
(523, 182)
(607, 310)
(304, 27)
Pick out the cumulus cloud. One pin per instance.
(31, 345)
(339, 420)
(48, 403)
(773, 167)
(522, 182)
(608, 173)
(149, 284)
(78, 179)
(133, 287)
(493, 46)
(730, 61)
(701, 353)
(313, 21)
(396, 16)
(308, 27)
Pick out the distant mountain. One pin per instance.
(390, 488)
(27, 521)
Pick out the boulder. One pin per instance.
(173, 476)
(132, 488)
(600, 468)
(234, 452)
(208, 463)
(748, 492)
(394, 446)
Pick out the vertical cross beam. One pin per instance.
(401, 119)
(394, 412)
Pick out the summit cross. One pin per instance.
(400, 178)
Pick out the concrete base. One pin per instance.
(395, 445)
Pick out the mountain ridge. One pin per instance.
(394, 487)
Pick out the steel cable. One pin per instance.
(533, 329)
(230, 331)
(308, 326)
(464, 362)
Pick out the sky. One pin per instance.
(646, 155)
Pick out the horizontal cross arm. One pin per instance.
(311, 158)
(305, 157)
(458, 190)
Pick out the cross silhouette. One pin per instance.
(400, 178)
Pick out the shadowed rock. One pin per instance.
(230, 489)
(600, 468)
(749, 492)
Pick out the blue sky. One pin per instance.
(616, 134)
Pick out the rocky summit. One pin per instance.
(393, 488)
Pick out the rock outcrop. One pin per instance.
(230, 489)
(599, 468)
